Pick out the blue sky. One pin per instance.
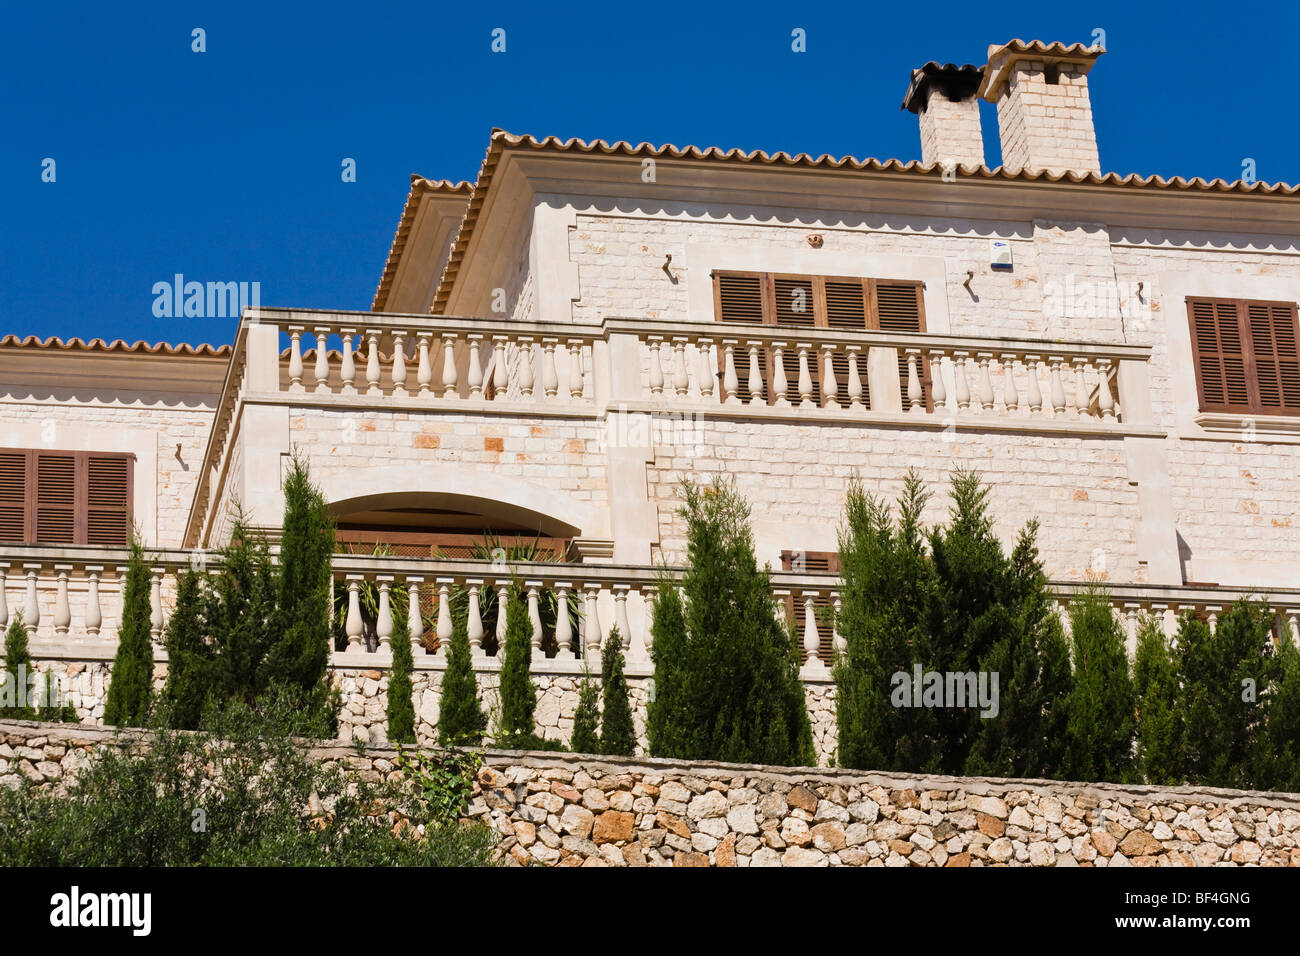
(225, 165)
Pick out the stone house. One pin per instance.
(554, 346)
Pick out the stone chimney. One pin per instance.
(1044, 114)
(944, 98)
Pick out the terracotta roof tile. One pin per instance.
(419, 188)
(119, 346)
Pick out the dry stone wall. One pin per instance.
(576, 810)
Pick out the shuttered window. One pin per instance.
(70, 498)
(1245, 355)
(821, 302)
(812, 562)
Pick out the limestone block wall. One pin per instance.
(574, 810)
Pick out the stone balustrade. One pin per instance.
(73, 596)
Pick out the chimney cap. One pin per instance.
(955, 82)
(1002, 59)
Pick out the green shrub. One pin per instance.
(130, 685)
(401, 704)
(586, 719)
(518, 693)
(1100, 709)
(617, 735)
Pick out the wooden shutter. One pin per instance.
(900, 307)
(56, 499)
(739, 298)
(1272, 339)
(797, 305)
(108, 499)
(14, 503)
(1218, 354)
(848, 307)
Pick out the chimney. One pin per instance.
(944, 98)
(1044, 114)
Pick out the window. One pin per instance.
(1245, 356)
(49, 497)
(821, 302)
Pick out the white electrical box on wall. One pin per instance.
(999, 254)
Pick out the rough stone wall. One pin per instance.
(571, 810)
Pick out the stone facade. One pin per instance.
(573, 810)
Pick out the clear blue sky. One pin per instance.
(225, 165)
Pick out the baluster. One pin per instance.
(399, 362)
(1160, 612)
(1035, 393)
(156, 619)
(474, 375)
(655, 343)
(372, 363)
(424, 372)
(938, 391)
(1105, 399)
(503, 602)
(534, 613)
(780, 605)
(526, 366)
(1293, 624)
(959, 360)
(1010, 397)
(755, 381)
(444, 615)
(474, 624)
(321, 370)
(681, 380)
(707, 373)
(500, 371)
(414, 619)
(563, 626)
(620, 616)
(384, 619)
(837, 639)
(854, 386)
(352, 626)
(348, 368)
(780, 385)
(4, 602)
(31, 604)
(1131, 609)
(576, 380)
(592, 634)
(62, 612)
(830, 386)
(730, 381)
(805, 377)
(449, 391)
(1212, 614)
(637, 651)
(811, 639)
(1083, 393)
(94, 613)
(550, 378)
(986, 382)
(1058, 390)
(915, 396)
(295, 358)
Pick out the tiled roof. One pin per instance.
(952, 79)
(501, 139)
(1045, 49)
(419, 187)
(118, 346)
(1003, 57)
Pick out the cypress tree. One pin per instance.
(298, 655)
(1283, 771)
(189, 657)
(665, 704)
(241, 616)
(18, 670)
(401, 704)
(461, 720)
(586, 719)
(131, 682)
(518, 693)
(617, 735)
(735, 690)
(1099, 729)
(1159, 720)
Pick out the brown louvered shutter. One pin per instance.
(796, 307)
(15, 513)
(848, 308)
(56, 499)
(1273, 336)
(1218, 354)
(900, 307)
(739, 299)
(108, 499)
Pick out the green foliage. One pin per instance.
(586, 719)
(443, 783)
(242, 794)
(1283, 767)
(50, 709)
(190, 660)
(298, 651)
(727, 686)
(401, 704)
(131, 684)
(1099, 731)
(461, 720)
(18, 669)
(240, 614)
(617, 735)
(1159, 722)
(666, 714)
(518, 693)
